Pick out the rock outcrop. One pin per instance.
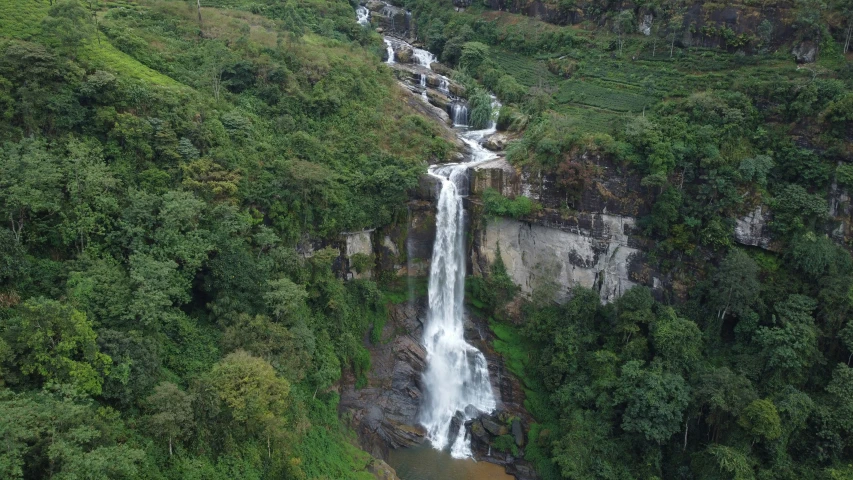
(752, 229)
(384, 413)
(592, 250)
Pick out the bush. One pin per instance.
(496, 204)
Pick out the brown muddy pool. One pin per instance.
(426, 463)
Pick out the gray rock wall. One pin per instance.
(599, 255)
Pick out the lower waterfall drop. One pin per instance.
(389, 49)
(457, 374)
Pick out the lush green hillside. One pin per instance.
(739, 367)
(157, 172)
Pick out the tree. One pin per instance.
(57, 343)
(288, 350)
(89, 186)
(725, 395)
(253, 394)
(170, 412)
(473, 54)
(634, 311)
(790, 344)
(29, 183)
(761, 419)
(136, 365)
(654, 400)
(59, 433)
(285, 299)
(70, 23)
(623, 23)
(677, 340)
(735, 285)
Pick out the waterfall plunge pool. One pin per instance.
(426, 463)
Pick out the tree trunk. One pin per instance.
(198, 2)
(847, 40)
(170, 445)
(686, 428)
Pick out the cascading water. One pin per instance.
(457, 375)
(362, 15)
(459, 114)
(424, 87)
(389, 48)
(443, 85)
(456, 379)
(423, 57)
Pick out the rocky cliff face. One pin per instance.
(595, 246)
(384, 413)
(703, 23)
(592, 250)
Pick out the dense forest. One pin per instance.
(173, 177)
(741, 368)
(158, 170)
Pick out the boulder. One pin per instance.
(752, 229)
(438, 99)
(494, 427)
(433, 81)
(517, 432)
(457, 422)
(496, 142)
(381, 470)
(479, 432)
(456, 89)
(805, 52)
(440, 69)
(374, 5)
(403, 54)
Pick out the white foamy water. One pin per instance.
(457, 374)
(362, 15)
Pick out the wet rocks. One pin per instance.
(494, 427)
(403, 54)
(384, 413)
(439, 100)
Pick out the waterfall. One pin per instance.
(362, 15)
(456, 378)
(457, 375)
(423, 57)
(424, 87)
(443, 85)
(389, 48)
(459, 114)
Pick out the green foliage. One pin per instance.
(761, 419)
(496, 204)
(57, 344)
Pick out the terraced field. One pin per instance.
(594, 95)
